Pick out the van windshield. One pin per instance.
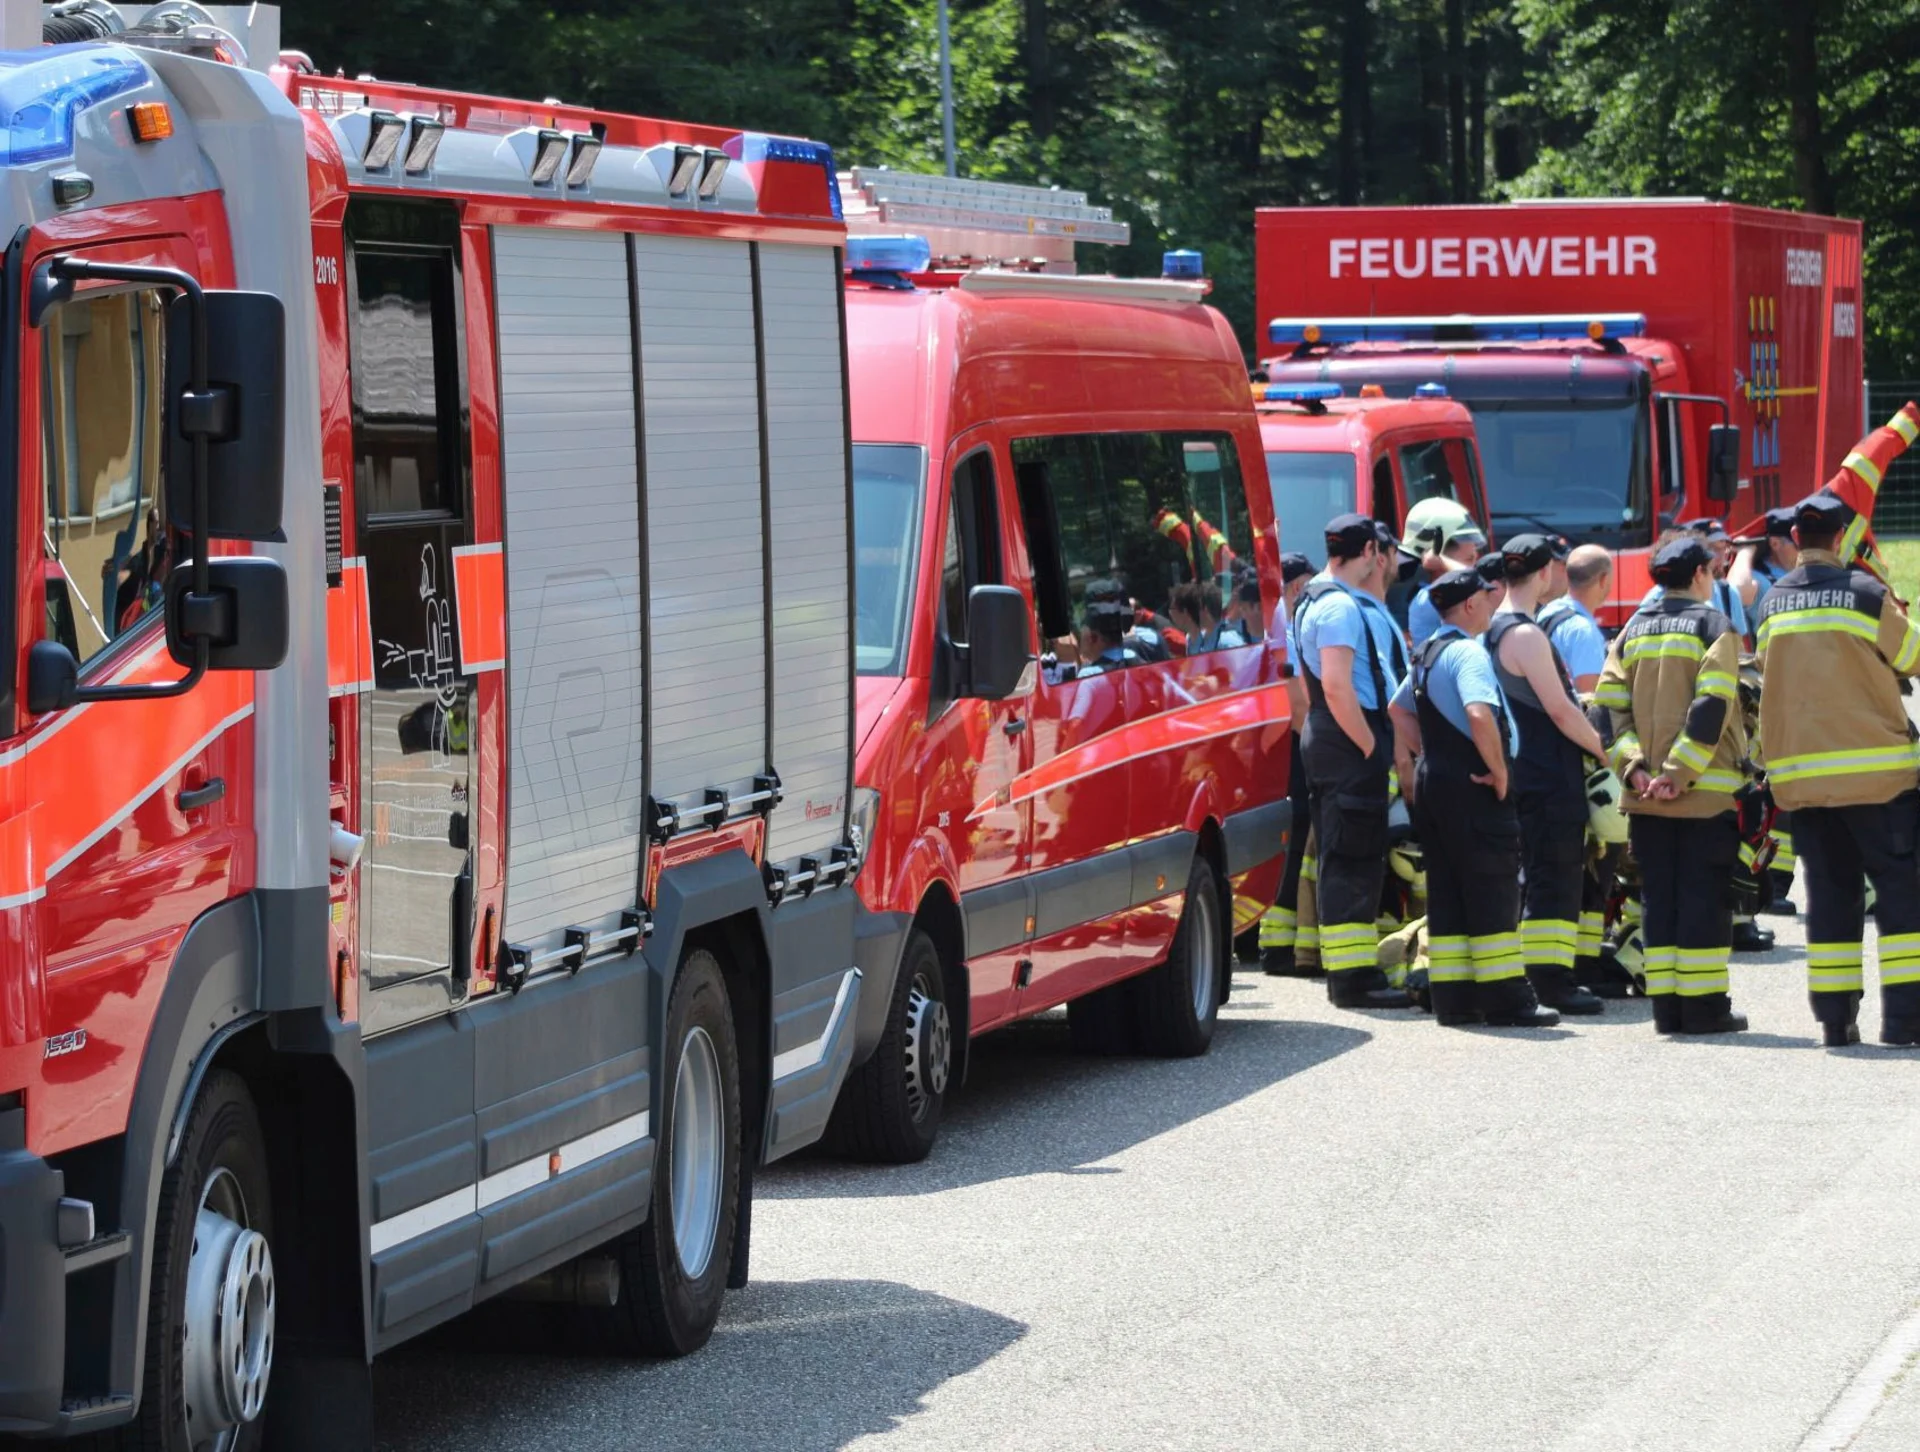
(889, 481)
(1309, 490)
(1578, 469)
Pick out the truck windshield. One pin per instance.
(889, 481)
(1578, 469)
(1308, 490)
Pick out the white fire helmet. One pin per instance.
(1604, 818)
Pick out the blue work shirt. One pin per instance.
(1576, 635)
(1725, 600)
(1462, 677)
(1422, 618)
(1344, 618)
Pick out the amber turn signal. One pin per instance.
(150, 120)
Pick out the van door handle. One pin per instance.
(194, 798)
(1015, 726)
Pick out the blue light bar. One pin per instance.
(1431, 390)
(1182, 262)
(1458, 328)
(1301, 392)
(43, 91)
(892, 255)
(752, 146)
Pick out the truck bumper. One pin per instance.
(33, 1290)
(878, 941)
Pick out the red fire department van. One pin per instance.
(1048, 831)
(427, 811)
(1328, 454)
(1599, 345)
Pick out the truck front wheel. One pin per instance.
(210, 1327)
(889, 1111)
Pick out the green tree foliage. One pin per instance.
(1184, 115)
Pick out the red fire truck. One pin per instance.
(1599, 344)
(427, 814)
(1091, 828)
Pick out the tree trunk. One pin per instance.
(1477, 120)
(1457, 100)
(1801, 23)
(1039, 71)
(1433, 116)
(1354, 155)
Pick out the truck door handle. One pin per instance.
(1015, 726)
(194, 798)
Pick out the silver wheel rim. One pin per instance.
(698, 1152)
(1203, 953)
(227, 1329)
(929, 1048)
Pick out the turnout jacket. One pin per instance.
(1671, 688)
(1833, 730)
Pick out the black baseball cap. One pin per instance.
(1456, 587)
(1111, 614)
(1561, 547)
(1823, 512)
(1293, 565)
(1678, 560)
(1104, 591)
(1348, 536)
(1526, 554)
(1780, 522)
(1492, 568)
(1713, 530)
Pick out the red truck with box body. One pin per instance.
(1599, 345)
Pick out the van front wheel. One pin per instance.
(1177, 1004)
(889, 1111)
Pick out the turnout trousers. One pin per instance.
(1472, 848)
(1553, 854)
(1686, 899)
(1280, 924)
(1350, 830)
(1838, 846)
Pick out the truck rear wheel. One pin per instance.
(889, 1112)
(1101, 1022)
(673, 1269)
(210, 1323)
(1177, 1004)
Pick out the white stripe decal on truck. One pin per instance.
(804, 1056)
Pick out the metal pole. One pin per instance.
(946, 93)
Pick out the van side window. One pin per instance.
(973, 541)
(1386, 504)
(1436, 469)
(106, 545)
(1142, 511)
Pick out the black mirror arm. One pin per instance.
(200, 414)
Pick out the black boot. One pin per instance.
(1364, 988)
(1454, 1003)
(1710, 1013)
(1592, 973)
(1510, 1003)
(1781, 883)
(1900, 1015)
(1750, 937)
(1838, 1015)
(1556, 989)
(1278, 962)
(1666, 1012)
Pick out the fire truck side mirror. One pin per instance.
(999, 641)
(242, 413)
(1723, 463)
(53, 676)
(242, 617)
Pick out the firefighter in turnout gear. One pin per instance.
(1841, 756)
(1280, 924)
(1671, 688)
(1345, 656)
(1452, 713)
(1550, 778)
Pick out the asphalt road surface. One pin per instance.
(1338, 1230)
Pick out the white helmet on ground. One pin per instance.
(1604, 818)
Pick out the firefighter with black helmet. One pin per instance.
(1550, 777)
(1840, 755)
(1345, 656)
(1671, 689)
(1452, 714)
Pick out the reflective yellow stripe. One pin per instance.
(1903, 426)
(1625, 749)
(1899, 943)
(1812, 622)
(1835, 980)
(1700, 971)
(1865, 468)
(1449, 959)
(1718, 683)
(1279, 927)
(1656, 647)
(1689, 752)
(1892, 975)
(1309, 868)
(1657, 964)
(1591, 933)
(1719, 781)
(1613, 695)
(1844, 763)
(1833, 952)
(1908, 655)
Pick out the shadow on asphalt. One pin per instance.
(1031, 1105)
(805, 1366)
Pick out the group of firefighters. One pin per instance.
(1748, 714)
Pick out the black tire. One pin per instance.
(222, 1137)
(1167, 1020)
(664, 1310)
(1102, 1022)
(889, 1111)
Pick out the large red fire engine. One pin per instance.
(1599, 345)
(442, 882)
(1031, 446)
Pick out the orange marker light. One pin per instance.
(1596, 330)
(1311, 332)
(150, 120)
(1372, 390)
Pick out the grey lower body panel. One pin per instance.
(33, 1291)
(817, 992)
(879, 941)
(1258, 834)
